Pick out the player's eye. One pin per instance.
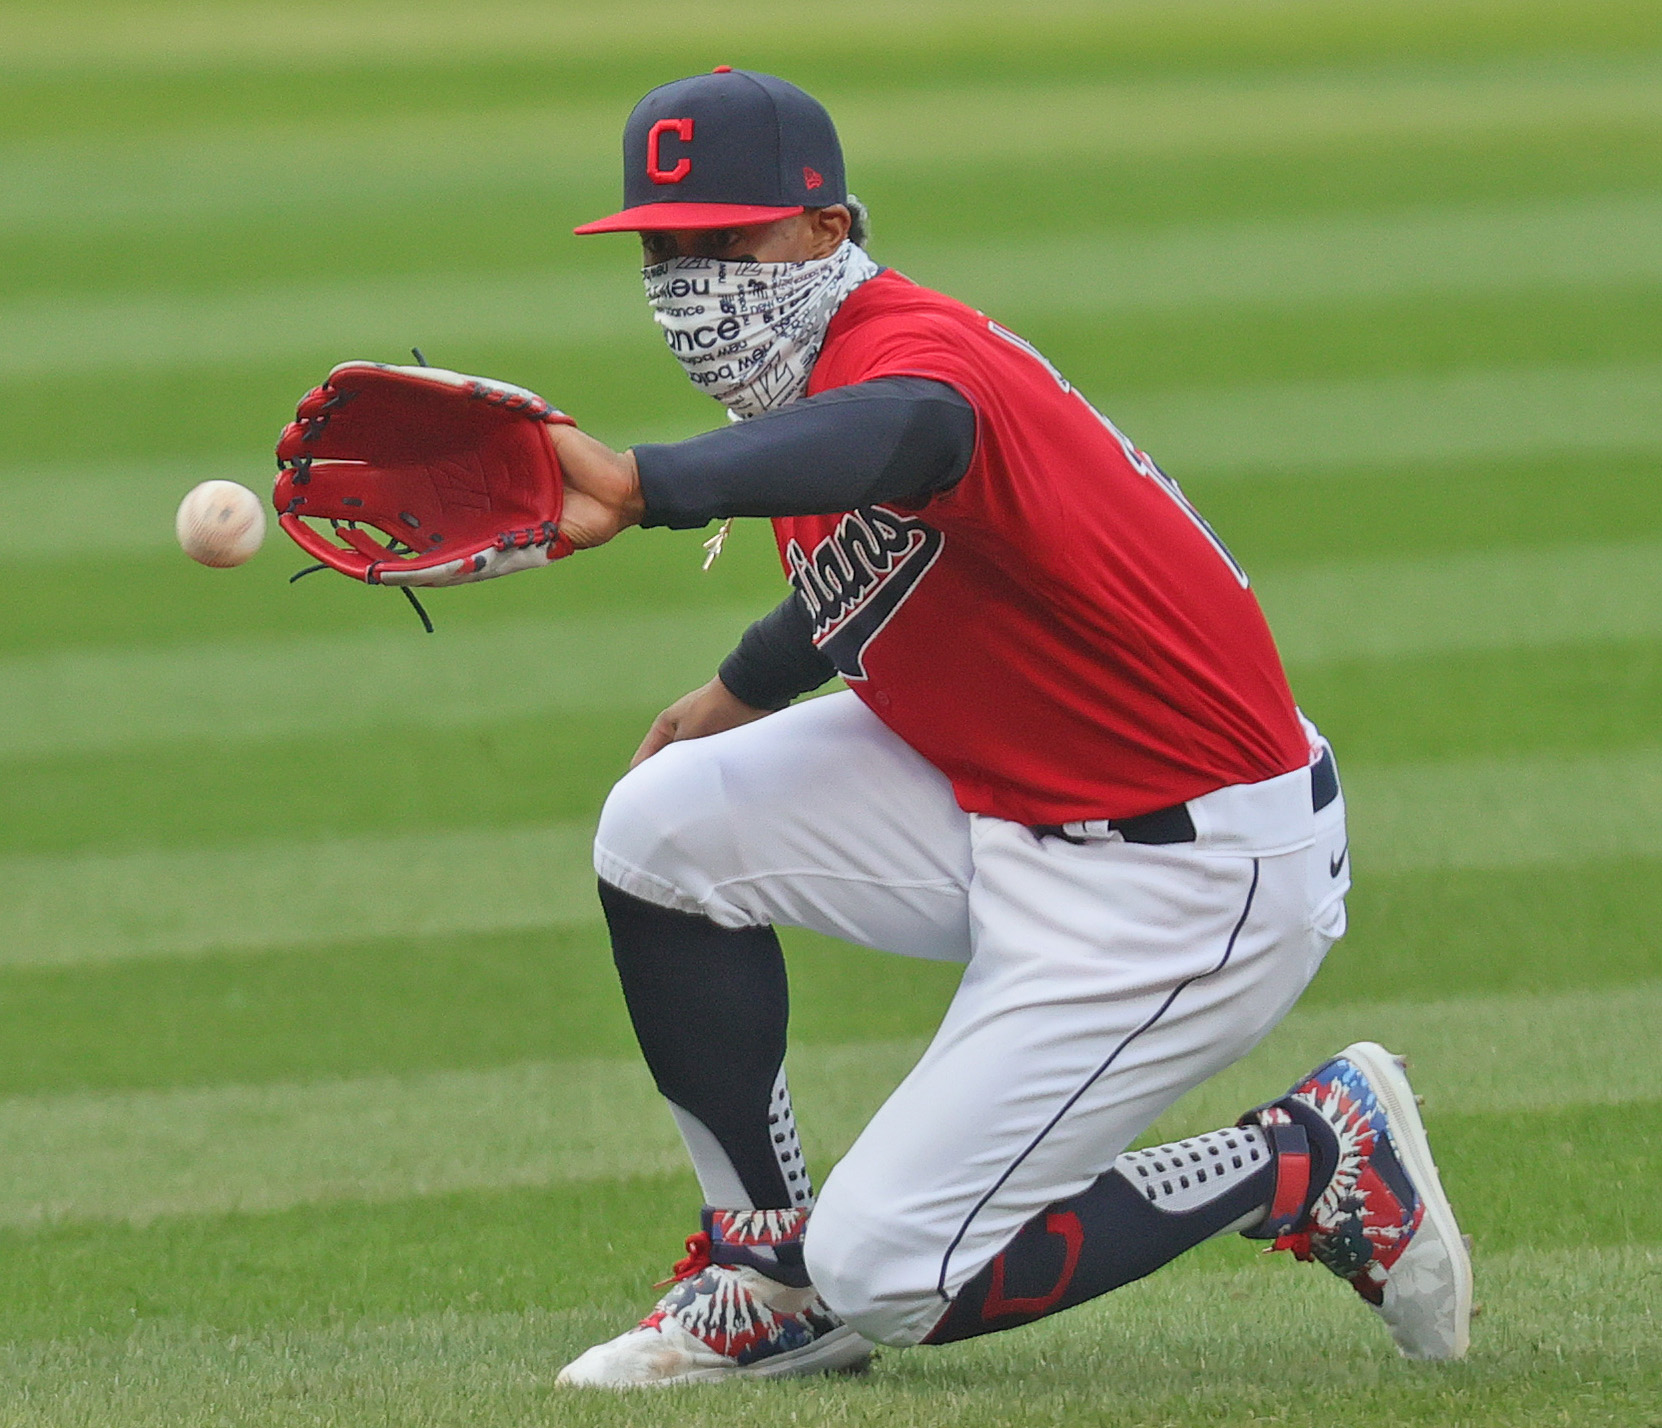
(720, 242)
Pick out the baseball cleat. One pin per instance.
(727, 1320)
(1382, 1221)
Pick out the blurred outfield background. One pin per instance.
(317, 1102)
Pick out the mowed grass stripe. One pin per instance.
(1253, 113)
(37, 499)
(1297, 263)
(247, 35)
(1342, 426)
(400, 1004)
(1220, 1335)
(359, 317)
(163, 903)
(229, 692)
(135, 1155)
(1353, 426)
(1611, 241)
(1587, 240)
(264, 1147)
(1484, 600)
(1472, 814)
(1505, 812)
(597, 1243)
(1447, 416)
(1483, 413)
(103, 699)
(126, 179)
(1472, 1055)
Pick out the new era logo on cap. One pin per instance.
(723, 150)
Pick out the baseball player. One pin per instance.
(1066, 758)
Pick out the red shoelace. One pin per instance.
(696, 1261)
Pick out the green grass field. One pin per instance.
(318, 1102)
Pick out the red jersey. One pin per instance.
(1060, 633)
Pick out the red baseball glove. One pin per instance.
(456, 472)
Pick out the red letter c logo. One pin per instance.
(996, 1306)
(683, 130)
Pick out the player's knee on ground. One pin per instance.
(661, 836)
(876, 1271)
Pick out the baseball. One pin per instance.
(220, 523)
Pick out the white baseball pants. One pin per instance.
(1102, 980)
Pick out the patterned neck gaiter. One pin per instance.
(747, 333)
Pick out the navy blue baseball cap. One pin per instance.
(724, 150)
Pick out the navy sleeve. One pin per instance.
(891, 439)
(776, 660)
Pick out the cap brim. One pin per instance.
(669, 217)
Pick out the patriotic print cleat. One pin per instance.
(1382, 1221)
(723, 1317)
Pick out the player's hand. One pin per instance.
(602, 488)
(708, 709)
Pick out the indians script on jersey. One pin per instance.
(857, 577)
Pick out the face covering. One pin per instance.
(748, 333)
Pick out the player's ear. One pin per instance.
(828, 227)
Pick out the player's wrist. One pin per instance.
(632, 506)
(720, 690)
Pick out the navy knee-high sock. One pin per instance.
(1147, 1210)
(710, 1006)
